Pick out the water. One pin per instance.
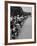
(26, 30)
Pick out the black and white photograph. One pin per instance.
(20, 22)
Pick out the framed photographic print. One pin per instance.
(20, 22)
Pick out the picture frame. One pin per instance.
(8, 12)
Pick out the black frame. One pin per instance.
(6, 22)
